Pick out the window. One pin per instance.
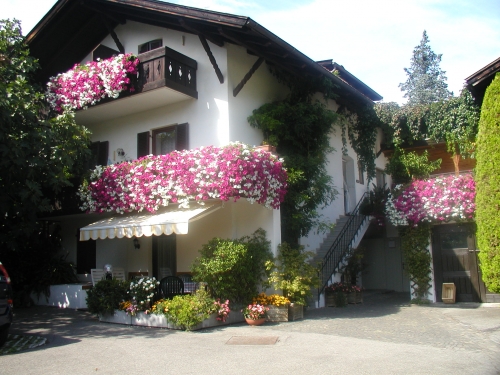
(164, 140)
(153, 44)
(380, 177)
(361, 178)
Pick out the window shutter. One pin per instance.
(99, 154)
(182, 140)
(102, 158)
(142, 144)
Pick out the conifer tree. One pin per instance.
(488, 187)
(426, 82)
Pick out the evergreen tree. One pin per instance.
(488, 187)
(426, 82)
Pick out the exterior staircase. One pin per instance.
(335, 250)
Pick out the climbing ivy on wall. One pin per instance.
(415, 243)
(300, 128)
(454, 121)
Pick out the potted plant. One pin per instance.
(278, 306)
(294, 275)
(255, 314)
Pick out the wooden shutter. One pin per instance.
(99, 154)
(102, 158)
(142, 144)
(182, 137)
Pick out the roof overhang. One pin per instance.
(167, 221)
(480, 80)
(73, 28)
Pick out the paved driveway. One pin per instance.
(384, 335)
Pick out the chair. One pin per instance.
(170, 287)
(97, 275)
(118, 273)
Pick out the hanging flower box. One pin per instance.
(230, 172)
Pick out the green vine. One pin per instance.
(405, 166)
(454, 121)
(300, 128)
(415, 243)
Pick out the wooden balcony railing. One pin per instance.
(164, 67)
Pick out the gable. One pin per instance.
(72, 29)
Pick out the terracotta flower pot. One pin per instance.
(256, 322)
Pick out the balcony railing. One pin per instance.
(164, 77)
(164, 67)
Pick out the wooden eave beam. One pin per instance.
(113, 34)
(211, 58)
(247, 76)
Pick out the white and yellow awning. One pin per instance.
(167, 221)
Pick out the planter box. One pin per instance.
(160, 321)
(332, 299)
(295, 312)
(354, 297)
(119, 317)
(149, 320)
(285, 313)
(277, 314)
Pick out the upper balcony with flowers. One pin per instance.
(150, 80)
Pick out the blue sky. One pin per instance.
(373, 39)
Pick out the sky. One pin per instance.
(372, 39)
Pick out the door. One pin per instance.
(164, 256)
(455, 261)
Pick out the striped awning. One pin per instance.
(168, 221)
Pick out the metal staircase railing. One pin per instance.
(341, 246)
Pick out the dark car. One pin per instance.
(5, 304)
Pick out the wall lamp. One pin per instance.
(137, 245)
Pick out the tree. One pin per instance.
(426, 82)
(39, 151)
(488, 187)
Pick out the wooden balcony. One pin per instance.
(165, 77)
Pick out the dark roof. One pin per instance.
(73, 28)
(350, 79)
(479, 81)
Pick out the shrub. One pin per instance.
(188, 310)
(488, 187)
(292, 273)
(233, 269)
(105, 296)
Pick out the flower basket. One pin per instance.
(295, 312)
(277, 313)
(330, 298)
